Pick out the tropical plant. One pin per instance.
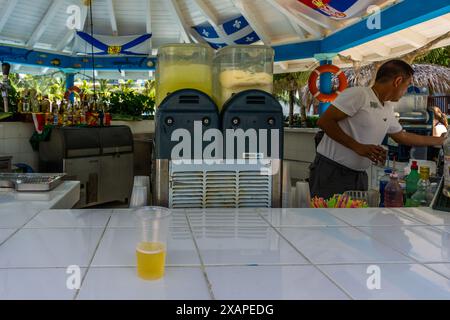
(439, 56)
(130, 104)
(286, 87)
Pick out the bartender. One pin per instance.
(355, 125)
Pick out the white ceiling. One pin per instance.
(41, 24)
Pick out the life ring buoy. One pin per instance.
(70, 91)
(312, 82)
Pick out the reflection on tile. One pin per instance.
(123, 283)
(339, 245)
(443, 228)
(10, 218)
(302, 218)
(396, 281)
(244, 245)
(127, 218)
(427, 215)
(426, 244)
(70, 219)
(373, 217)
(442, 268)
(225, 217)
(49, 248)
(271, 283)
(118, 248)
(35, 284)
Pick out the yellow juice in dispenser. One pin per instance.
(151, 258)
(184, 76)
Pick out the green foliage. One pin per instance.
(125, 104)
(439, 56)
(311, 121)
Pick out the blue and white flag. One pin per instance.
(112, 45)
(235, 31)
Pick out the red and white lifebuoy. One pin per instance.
(312, 83)
(71, 90)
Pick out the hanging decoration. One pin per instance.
(232, 32)
(113, 45)
(338, 9)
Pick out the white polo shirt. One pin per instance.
(368, 122)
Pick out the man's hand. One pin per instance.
(374, 153)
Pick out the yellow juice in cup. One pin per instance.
(150, 260)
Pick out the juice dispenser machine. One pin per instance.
(228, 181)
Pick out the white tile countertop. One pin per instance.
(232, 254)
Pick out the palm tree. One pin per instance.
(286, 87)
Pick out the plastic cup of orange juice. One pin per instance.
(152, 246)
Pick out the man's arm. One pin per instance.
(328, 122)
(411, 139)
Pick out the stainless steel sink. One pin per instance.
(30, 181)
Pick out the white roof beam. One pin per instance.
(413, 38)
(252, 20)
(112, 17)
(46, 20)
(175, 10)
(207, 13)
(7, 12)
(379, 48)
(310, 26)
(212, 19)
(284, 65)
(148, 23)
(315, 17)
(65, 40)
(290, 18)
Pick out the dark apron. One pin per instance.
(327, 178)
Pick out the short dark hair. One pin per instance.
(392, 69)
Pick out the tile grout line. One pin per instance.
(21, 227)
(92, 258)
(306, 258)
(190, 266)
(403, 254)
(424, 224)
(202, 265)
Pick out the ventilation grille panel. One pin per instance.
(214, 188)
